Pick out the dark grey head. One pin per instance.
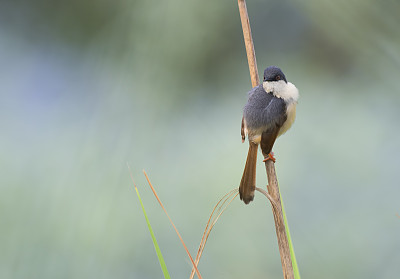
(273, 73)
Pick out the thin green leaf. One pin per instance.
(153, 237)
(173, 225)
(292, 255)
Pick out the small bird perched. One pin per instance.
(269, 113)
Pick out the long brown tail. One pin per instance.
(248, 182)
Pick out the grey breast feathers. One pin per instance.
(263, 111)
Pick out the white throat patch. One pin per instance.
(286, 91)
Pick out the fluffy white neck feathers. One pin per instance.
(287, 91)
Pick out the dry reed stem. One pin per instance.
(173, 225)
(272, 187)
(248, 41)
(213, 220)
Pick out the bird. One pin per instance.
(269, 112)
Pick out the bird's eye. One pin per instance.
(277, 77)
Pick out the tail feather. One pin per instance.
(248, 182)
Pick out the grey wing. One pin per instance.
(274, 114)
(251, 111)
(264, 110)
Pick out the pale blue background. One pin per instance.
(87, 86)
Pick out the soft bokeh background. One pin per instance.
(87, 86)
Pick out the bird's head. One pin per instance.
(274, 74)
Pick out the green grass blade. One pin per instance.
(292, 255)
(153, 237)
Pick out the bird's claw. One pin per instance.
(270, 157)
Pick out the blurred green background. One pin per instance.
(87, 86)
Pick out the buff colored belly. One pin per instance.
(291, 116)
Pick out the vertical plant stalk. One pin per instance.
(248, 41)
(272, 186)
(283, 244)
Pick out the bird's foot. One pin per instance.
(270, 157)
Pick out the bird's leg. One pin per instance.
(270, 157)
